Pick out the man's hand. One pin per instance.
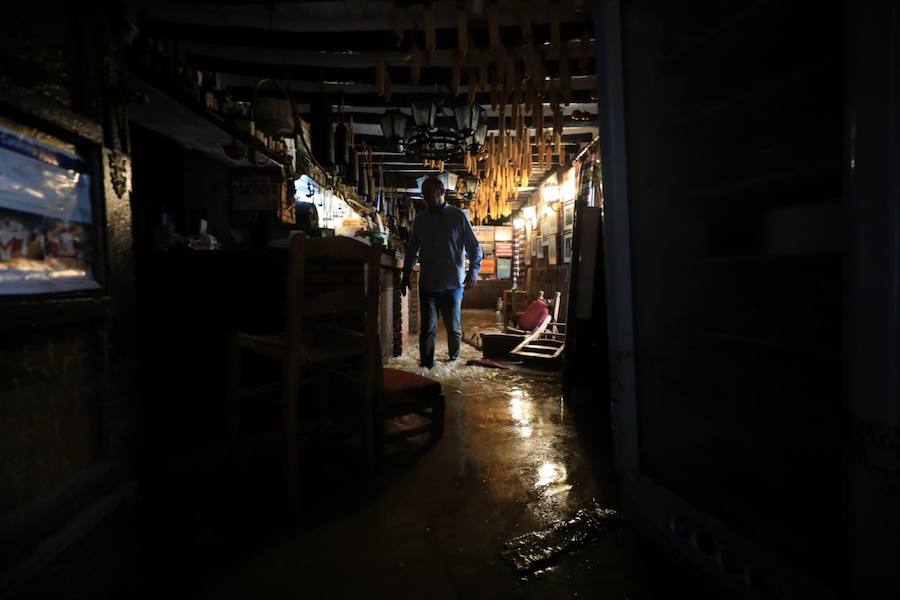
(404, 284)
(469, 281)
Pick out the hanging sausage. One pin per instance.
(493, 19)
(399, 24)
(428, 24)
(554, 23)
(565, 77)
(341, 144)
(415, 62)
(321, 133)
(462, 29)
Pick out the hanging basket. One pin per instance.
(272, 115)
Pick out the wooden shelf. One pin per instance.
(181, 118)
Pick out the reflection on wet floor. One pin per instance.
(531, 552)
(511, 464)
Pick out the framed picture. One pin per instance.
(569, 216)
(488, 266)
(504, 268)
(503, 249)
(551, 250)
(503, 234)
(567, 248)
(47, 224)
(484, 233)
(553, 221)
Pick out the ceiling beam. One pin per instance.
(241, 88)
(317, 58)
(347, 39)
(305, 16)
(399, 73)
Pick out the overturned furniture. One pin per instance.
(544, 345)
(536, 319)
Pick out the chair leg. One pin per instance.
(233, 394)
(290, 426)
(367, 412)
(437, 418)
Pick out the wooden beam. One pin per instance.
(343, 41)
(399, 73)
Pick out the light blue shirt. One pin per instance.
(438, 240)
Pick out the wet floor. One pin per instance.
(437, 520)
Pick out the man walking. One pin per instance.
(438, 238)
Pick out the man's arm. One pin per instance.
(473, 251)
(409, 258)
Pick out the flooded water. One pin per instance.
(506, 505)
(533, 552)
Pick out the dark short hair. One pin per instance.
(433, 181)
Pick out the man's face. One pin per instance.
(433, 194)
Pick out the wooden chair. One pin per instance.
(403, 393)
(501, 345)
(310, 345)
(546, 344)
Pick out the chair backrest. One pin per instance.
(348, 281)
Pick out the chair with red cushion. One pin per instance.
(405, 393)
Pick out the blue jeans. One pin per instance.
(449, 303)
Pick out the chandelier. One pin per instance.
(429, 140)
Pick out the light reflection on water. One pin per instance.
(521, 413)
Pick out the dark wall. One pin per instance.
(733, 120)
(68, 361)
(485, 293)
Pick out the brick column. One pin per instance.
(413, 299)
(397, 314)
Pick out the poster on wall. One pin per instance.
(46, 240)
(487, 266)
(504, 268)
(487, 248)
(553, 220)
(569, 216)
(567, 248)
(503, 234)
(551, 250)
(545, 227)
(484, 233)
(503, 249)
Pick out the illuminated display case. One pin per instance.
(47, 220)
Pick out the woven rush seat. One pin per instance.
(325, 343)
(402, 383)
(404, 393)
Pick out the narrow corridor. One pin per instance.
(511, 462)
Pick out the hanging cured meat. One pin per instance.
(428, 25)
(565, 77)
(380, 76)
(415, 62)
(399, 24)
(462, 30)
(554, 23)
(493, 19)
